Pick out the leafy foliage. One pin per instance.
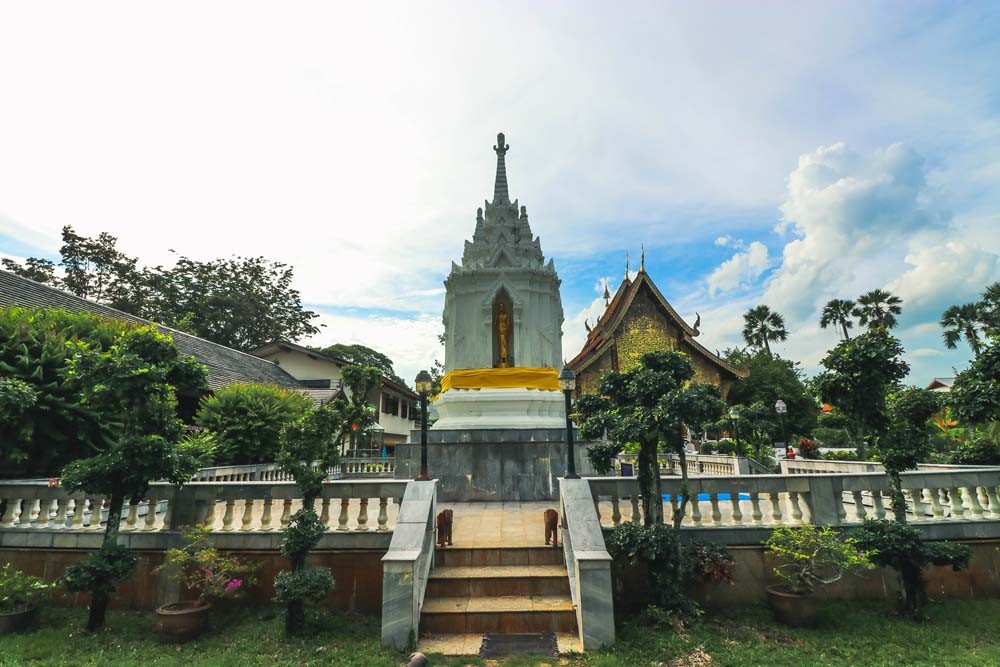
(303, 532)
(859, 374)
(101, 571)
(771, 378)
(247, 420)
(878, 309)
(762, 326)
(840, 313)
(898, 545)
(808, 449)
(44, 424)
(812, 556)
(649, 405)
(963, 321)
(975, 395)
(310, 584)
(20, 591)
(240, 302)
(205, 571)
(361, 355)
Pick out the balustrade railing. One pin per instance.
(822, 499)
(697, 464)
(260, 506)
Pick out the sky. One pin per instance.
(779, 153)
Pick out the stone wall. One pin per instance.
(754, 573)
(357, 575)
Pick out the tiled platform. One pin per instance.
(468, 644)
(502, 524)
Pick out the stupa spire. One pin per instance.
(500, 195)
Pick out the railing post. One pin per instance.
(826, 499)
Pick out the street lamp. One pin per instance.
(423, 384)
(734, 415)
(567, 382)
(781, 409)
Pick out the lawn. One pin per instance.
(958, 634)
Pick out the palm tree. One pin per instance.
(989, 309)
(878, 308)
(838, 312)
(959, 321)
(762, 326)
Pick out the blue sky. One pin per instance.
(780, 153)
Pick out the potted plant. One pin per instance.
(809, 556)
(201, 570)
(20, 595)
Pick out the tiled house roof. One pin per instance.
(225, 365)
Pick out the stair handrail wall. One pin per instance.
(407, 564)
(588, 564)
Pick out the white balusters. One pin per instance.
(324, 515)
(363, 515)
(793, 500)
(96, 512)
(265, 516)
(133, 515)
(713, 499)
(878, 504)
(935, 497)
(78, 506)
(859, 506)
(695, 510)
(383, 514)
(12, 513)
(734, 498)
(286, 512)
(227, 517)
(209, 518)
(635, 518)
(994, 502)
(776, 516)
(957, 508)
(247, 522)
(150, 522)
(342, 520)
(972, 494)
(755, 514)
(916, 498)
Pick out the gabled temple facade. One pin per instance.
(639, 320)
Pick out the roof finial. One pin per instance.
(642, 259)
(626, 266)
(500, 195)
(607, 294)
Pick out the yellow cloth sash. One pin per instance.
(502, 378)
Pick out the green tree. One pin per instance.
(771, 378)
(838, 312)
(989, 308)
(40, 270)
(962, 321)
(650, 405)
(134, 379)
(309, 447)
(247, 419)
(908, 440)
(56, 426)
(239, 302)
(361, 355)
(878, 308)
(975, 395)
(762, 326)
(95, 269)
(859, 375)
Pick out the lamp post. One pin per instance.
(423, 384)
(734, 415)
(781, 409)
(567, 382)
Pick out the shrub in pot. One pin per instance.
(210, 575)
(809, 556)
(20, 596)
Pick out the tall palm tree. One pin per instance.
(878, 308)
(762, 326)
(838, 312)
(965, 320)
(989, 309)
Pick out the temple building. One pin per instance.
(639, 320)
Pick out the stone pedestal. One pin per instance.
(492, 464)
(531, 409)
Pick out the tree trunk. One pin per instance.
(914, 592)
(896, 494)
(843, 324)
(99, 602)
(98, 607)
(649, 484)
(684, 491)
(295, 611)
(859, 436)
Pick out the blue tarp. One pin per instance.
(706, 496)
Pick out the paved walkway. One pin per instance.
(499, 524)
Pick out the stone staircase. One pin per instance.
(509, 590)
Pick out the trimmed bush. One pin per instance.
(247, 420)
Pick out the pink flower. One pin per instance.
(234, 584)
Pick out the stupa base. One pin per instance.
(460, 409)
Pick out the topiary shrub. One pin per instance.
(247, 420)
(898, 545)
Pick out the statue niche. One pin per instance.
(503, 331)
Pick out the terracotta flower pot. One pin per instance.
(18, 621)
(181, 621)
(792, 608)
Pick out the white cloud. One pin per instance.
(740, 270)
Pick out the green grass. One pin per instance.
(958, 634)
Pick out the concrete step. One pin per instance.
(515, 613)
(496, 581)
(493, 556)
(469, 644)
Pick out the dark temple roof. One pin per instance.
(225, 365)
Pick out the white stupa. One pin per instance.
(503, 324)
